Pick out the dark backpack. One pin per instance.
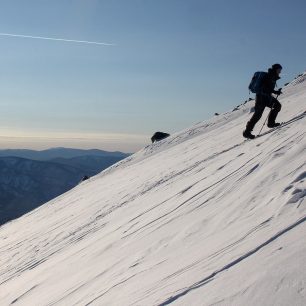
(257, 82)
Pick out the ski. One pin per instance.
(282, 124)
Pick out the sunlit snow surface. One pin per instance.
(201, 218)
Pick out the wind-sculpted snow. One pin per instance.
(203, 217)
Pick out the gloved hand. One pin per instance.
(279, 92)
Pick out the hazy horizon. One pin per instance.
(109, 142)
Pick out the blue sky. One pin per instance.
(173, 63)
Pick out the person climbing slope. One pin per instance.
(263, 84)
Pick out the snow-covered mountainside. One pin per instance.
(201, 218)
(26, 184)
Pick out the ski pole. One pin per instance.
(263, 125)
(267, 117)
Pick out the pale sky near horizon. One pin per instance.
(170, 64)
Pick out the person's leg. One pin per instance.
(259, 109)
(275, 109)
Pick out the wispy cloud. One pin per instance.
(57, 39)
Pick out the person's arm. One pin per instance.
(277, 92)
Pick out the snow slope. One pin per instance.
(201, 218)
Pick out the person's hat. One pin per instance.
(277, 66)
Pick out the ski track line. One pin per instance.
(233, 263)
(24, 294)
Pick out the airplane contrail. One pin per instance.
(57, 39)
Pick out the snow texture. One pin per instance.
(203, 217)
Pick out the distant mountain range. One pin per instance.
(30, 178)
(58, 153)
